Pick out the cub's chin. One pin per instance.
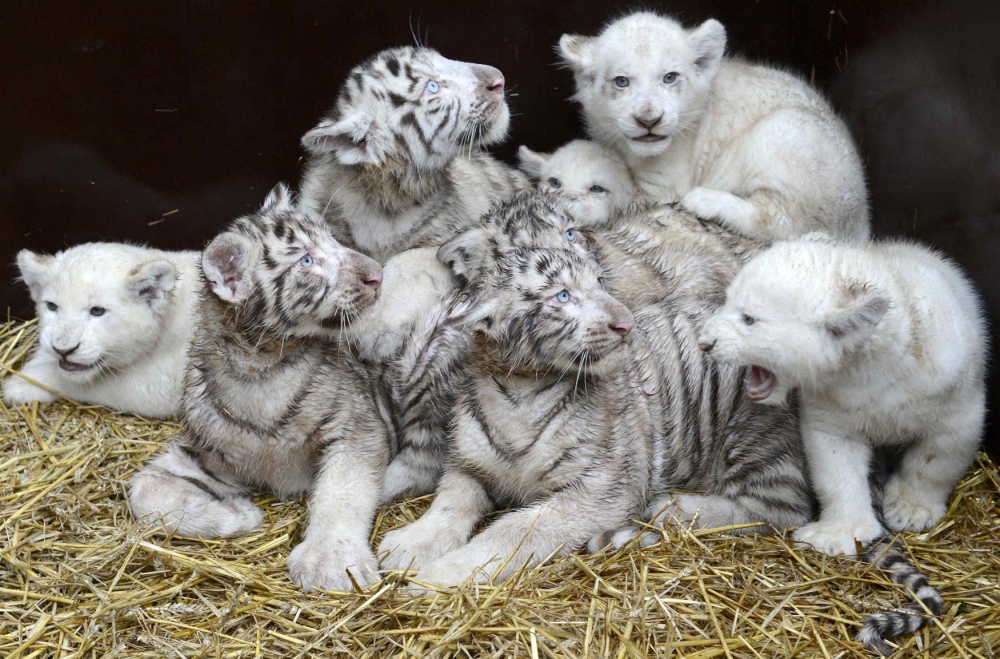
(611, 362)
(496, 125)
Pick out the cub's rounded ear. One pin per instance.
(226, 263)
(34, 270)
(278, 199)
(353, 140)
(532, 162)
(576, 51)
(855, 318)
(466, 253)
(152, 282)
(708, 41)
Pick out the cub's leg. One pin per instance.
(413, 472)
(191, 499)
(916, 496)
(460, 503)
(559, 525)
(341, 512)
(839, 467)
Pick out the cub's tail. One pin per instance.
(888, 555)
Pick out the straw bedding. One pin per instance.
(79, 578)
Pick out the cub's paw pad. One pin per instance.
(838, 537)
(323, 563)
(905, 511)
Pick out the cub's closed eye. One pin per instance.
(621, 82)
(432, 87)
(670, 78)
(598, 189)
(555, 183)
(562, 297)
(570, 235)
(98, 311)
(306, 261)
(52, 306)
(748, 319)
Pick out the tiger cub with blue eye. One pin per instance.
(582, 415)
(272, 403)
(398, 162)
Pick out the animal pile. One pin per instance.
(682, 320)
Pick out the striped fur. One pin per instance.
(397, 162)
(651, 252)
(271, 403)
(582, 429)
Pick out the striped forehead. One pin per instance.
(392, 72)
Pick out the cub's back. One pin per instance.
(943, 307)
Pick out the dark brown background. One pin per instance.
(116, 113)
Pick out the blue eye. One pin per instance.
(598, 189)
(433, 87)
(306, 261)
(97, 311)
(555, 183)
(570, 234)
(670, 78)
(562, 297)
(621, 82)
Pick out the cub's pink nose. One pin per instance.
(622, 328)
(372, 280)
(496, 85)
(706, 345)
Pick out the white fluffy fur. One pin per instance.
(756, 148)
(413, 284)
(137, 348)
(594, 181)
(887, 344)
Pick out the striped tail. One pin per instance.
(888, 555)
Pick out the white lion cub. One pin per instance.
(115, 323)
(593, 181)
(753, 147)
(887, 344)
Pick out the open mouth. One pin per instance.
(650, 137)
(760, 383)
(67, 365)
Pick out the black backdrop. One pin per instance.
(117, 113)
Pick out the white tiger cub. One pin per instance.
(752, 147)
(887, 345)
(397, 163)
(272, 402)
(115, 323)
(592, 181)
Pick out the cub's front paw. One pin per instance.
(453, 569)
(323, 563)
(708, 204)
(17, 391)
(910, 511)
(837, 537)
(414, 545)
